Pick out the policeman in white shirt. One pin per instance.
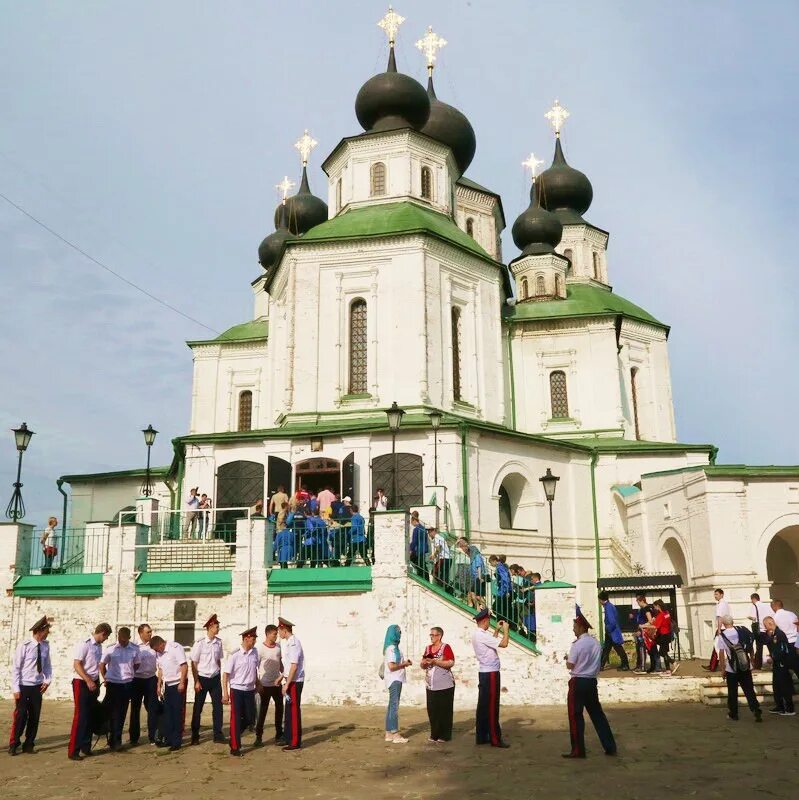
(117, 667)
(722, 610)
(269, 688)
(735, 676)
(85, 690)
(786, 620)
(583, 663)
(239, 682)
(145, 689)
(758, 611)
(31, 674)
(485, 644)
(294, 668)
(206, 669)
(173, 674)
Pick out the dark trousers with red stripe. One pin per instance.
(488, 729)
(27, 711)
(583, 695)
(119, 701)
(293, 718)
(174, 715)
(144, 690)
(80, 737)
(242, 715)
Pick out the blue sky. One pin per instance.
(151, 135)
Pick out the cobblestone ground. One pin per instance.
(669, 750)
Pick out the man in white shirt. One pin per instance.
(294, 668)
(722, 610)
(758, 611)
(238, 688)
(270, 680)
(117, 667)
(583, 662)
(191, 513)
(206, 669)
(786, 621)
(441, 557)
(145, 689)
(31, 674)
(381, 501)
(485, 645)
(173, 674)
(725, 642)
(85, 690)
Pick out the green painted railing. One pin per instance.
(62, 552)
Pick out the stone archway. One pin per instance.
(516, 502)
(672, 558)
(782, 566)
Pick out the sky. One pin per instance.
(151, 136)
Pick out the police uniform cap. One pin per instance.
(40, 625)
(250, 632)
(284, 623)
(212, 620)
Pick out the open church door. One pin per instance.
(348, 478)
(278, 474)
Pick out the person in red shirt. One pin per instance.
(664, 636)
(437, 661)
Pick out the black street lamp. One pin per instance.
(16, 508)
(550, 483)
(149, 438)
(395, 415)
(435, 424)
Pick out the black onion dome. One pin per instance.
(536, 230)
(450, 127)
(305, 210)
(392, 100)
(271, 248)
(565, 190)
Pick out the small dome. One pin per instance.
(392, 100)
(564, 190)
(536, 230)
(304, 210)
(271, 249)
(450, 127)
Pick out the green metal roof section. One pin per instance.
(392, 219)
(156, 472)
(253, 331)
(625, 490)
(335, 580)
(745, 471)
(185, 582)
(582, 300)
(78, 585)
(638, 446)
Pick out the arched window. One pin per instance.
(568, 254)
(456, 353)
(338, 195)
(596, 267)
(470, 227)
(558, 395)
(427, 183)
(378, 179)
(540, 286)
(358, 347)
(525, 289)
(558, 286)
(245, 410)
(634, 387)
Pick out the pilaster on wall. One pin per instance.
(248, 595)
(554, 612)
(390, 543)
(119, 580)
(147, 511)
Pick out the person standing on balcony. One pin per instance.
(145, 689)
(294, 667)
(49, 545)
(206, 669)
(381, 501)
(277, 500)
(173, 674)
(486, 644)
(269, 686)
(31, 674)
(420, 547)
(284, 541)
(325, 498)
(204, 515)
(117, 668)
(358, 538)
(240, 682)
(613, 635)
(191, 513)
(85, 690)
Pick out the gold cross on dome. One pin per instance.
(557, 115)
(391, 24)
(305, 144)
(430, 44)
(532, 163)
(285, 186)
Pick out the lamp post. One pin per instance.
(550, 483)
(395, 415)
(149, 438)
(435, 423)
(16, 508)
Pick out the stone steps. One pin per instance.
(714, 689)
(190, 556)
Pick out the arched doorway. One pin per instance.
(782, 566)
(516, 502)
(672, 560)
(239, 484)
(316, 474)
(410, 484)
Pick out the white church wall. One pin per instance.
(100, 501)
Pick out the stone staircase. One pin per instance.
(191, 556)
(714, 689)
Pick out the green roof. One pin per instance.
(69, 585)
(625, 490)
(633, 446)
(392, 219)
(252, 331)
(582, 300)
(733, 471)
(155, 472)
(179, 583)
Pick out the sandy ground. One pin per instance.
(669, 750)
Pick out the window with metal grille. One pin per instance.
(185, 616)
(634, 386)
(558, 394)
(457, 343)
(358, 347)
(540, 286)
(338, 195)
(378, 179)
(404, 469)
(245, 410)
(525, 289)
(427, 183)
(470, 227)
(596, 266)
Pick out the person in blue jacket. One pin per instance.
(284, 547)
(613, 635)
(420, 546)
(358, 543)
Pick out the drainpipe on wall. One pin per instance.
(597, 560)
(467, 528)
(59, 483)
(512, 382)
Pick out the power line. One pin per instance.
(104, 266)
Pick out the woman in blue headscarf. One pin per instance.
(394, 676)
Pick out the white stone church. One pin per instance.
(394, 288)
